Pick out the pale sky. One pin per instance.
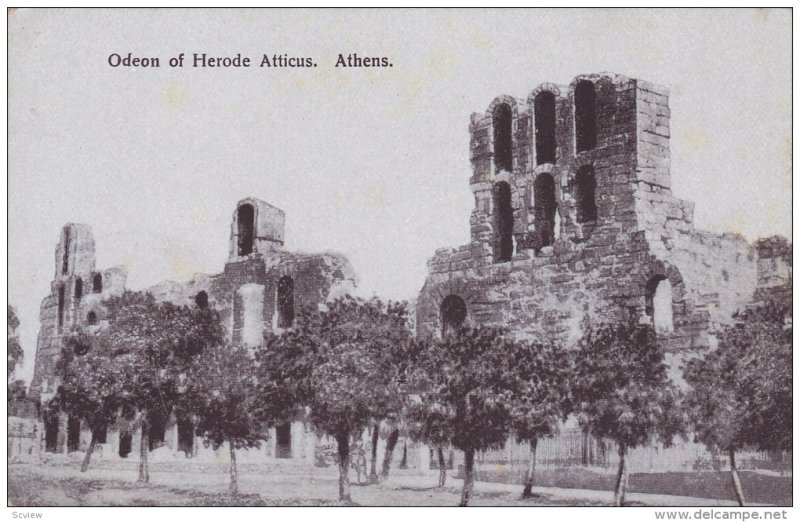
(373, 163)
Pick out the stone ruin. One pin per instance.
(260, 289)
(575, 221)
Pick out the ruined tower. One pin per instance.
(574, 219)
(262, 288)
(74, 300)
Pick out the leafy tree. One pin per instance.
(393, 435)
(153, 345)
(463, 389)
(92, 386)
(741, 392)
(401, 360)
(541, 399)
(223, 392)
(430, 424)
(622, 391)
(15, 352)
(333, 365)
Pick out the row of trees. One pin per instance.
(354, 365)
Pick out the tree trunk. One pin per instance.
(89, 451)
(404, 460)
(373, 465)
(469, 479)
(391, 442)
(527, 492)
(343, 446)
(622, 478)
(144, 450)
(442, 465)
(737, 484)
(234, 488)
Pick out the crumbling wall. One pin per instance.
(74, 271)
(609, 265)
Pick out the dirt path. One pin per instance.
(64, 485)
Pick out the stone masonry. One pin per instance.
(574, 219)
(259, 289)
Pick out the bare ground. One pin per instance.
(113, 484)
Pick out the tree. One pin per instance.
(401, 360)
(332, 364)
(223, 392)
(741, 392)
(541, 399)
(430, 424)
(622, 391)
(463, 389)
(393, 435)
(153, 345)
(92, 386)
(15, 352)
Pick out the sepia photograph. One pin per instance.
(400, 257)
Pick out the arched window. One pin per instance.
(73, 433)
(658, 303)
(283, 441)
(585, 116)
(453, 312)
(61, 303)
(185, 435)
(91, 318)
(246, 223)
(503, 223)
(544, 115)
(102, 435)
(97, 283)
(585, 184)
(544, 208)
(50, 418)
(158, 429)
(201, 300)
(125, 444)
(65, 260)
(285, 302)
(78, 288)
(501, 122)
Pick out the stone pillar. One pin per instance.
(171, 437)
(112, 441)
(61, 441)
(136, 441)
(424, 458)
(270, 445)
(252, 299)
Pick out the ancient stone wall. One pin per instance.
(597, 234)
(76, 291)
(262, 288)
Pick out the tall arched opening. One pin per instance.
(658, 303)
(285, 302)
(501, 122)
(245, 221)
(453, 313)
(585, 116)
(544, 115)
(544, 208)
(503, 222)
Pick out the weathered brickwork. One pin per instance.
(597, 234)
(76, 291)
(262, 287)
